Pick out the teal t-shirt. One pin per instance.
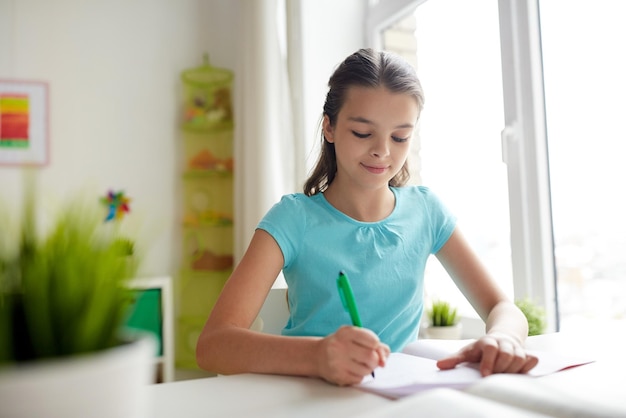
(384, 261)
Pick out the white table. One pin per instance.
(252, 395)
(283, 396)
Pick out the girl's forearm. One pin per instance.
(234, 350)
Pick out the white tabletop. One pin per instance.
(252, 395)
(285, 396)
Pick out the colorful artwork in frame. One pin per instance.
(23, 123)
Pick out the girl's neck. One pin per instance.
(362, 205)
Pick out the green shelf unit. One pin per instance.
(207, 197)
(200, 292)
(203, 128)
(188, 331)
(207, 101)
(207, 174)
(208, 248)
(209, 151)
(206, 133)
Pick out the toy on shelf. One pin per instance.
(207, 260)
(205, 160)
(207, 97)
(208, 249)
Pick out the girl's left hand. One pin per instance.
(496, 353)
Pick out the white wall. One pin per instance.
(113, 71)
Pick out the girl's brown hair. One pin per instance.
(364, 68)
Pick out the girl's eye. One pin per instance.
(394, 138)
(360, 135)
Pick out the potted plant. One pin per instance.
(535, 315)
(443, 321)
(64, 297)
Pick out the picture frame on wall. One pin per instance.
(24, 123)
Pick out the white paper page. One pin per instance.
(449, 403)
(549, 362)
(405, 374)
(543, 397)
(554, 362)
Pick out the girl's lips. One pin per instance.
(375, 170)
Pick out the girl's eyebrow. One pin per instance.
(361, 119)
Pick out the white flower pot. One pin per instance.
(452, 332)
(108, 383)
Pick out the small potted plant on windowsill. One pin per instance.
(535, 315)
(64, 297)
(443, 321)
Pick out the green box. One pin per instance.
(146, 314)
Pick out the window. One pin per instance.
(574, 269)
(460, 130)
(584, 66)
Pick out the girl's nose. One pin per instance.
(380, 148)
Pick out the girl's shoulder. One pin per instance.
(412, 191)
(297, 202)
(297, 199)
(418, 197)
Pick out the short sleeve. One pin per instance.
(286, 223)
(442, 221)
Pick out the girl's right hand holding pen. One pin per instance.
(349, 354)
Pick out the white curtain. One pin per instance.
(264, 141)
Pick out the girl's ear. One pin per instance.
(328, 130)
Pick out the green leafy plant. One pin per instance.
(535, 315)
(63, 292)
(442, 314)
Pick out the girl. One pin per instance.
(357, 215)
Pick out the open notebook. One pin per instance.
(415, 369)
(498, 396)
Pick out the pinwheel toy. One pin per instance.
(117, 203)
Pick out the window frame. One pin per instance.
(382, 13)
(525, 151)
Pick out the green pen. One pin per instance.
(347, 298)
